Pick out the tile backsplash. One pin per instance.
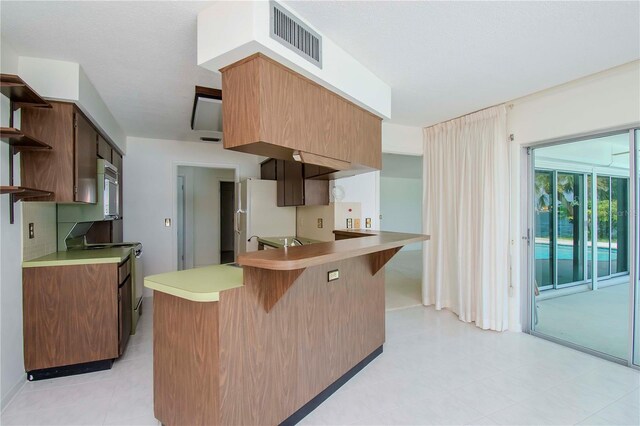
(43, 217)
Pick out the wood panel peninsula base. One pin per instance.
(266, 344)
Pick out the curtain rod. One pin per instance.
(469, 113)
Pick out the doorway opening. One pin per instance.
(584, 236)
(401, 211)
(205, 216)
(227, 203)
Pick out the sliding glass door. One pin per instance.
(544, 229)
(635, 292)
(583, 239)
(570, 244)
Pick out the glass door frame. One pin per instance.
(634, 243)
(634, 263)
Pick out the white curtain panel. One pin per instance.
(466, 213)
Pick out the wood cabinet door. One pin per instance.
(293, 184)
(86, 157)
(268, 170)
(316, 192)
(104, 149)
(50, 170)
(70, 314)
(117, 161)
(124, 314)
(280, 183)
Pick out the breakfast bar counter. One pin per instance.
(268, 350)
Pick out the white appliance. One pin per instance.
(258, 214)
(110, 190)
(107, 205)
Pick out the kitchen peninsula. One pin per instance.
(267, 343)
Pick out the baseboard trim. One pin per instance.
(322, 396)
(13, 392)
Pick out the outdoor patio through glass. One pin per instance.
(583, 241)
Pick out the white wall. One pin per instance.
(230, 31)
(594, 104)
(12, 374)
(202, 221)
(401, 206)
(405, 140)
(307, 222)
(150, 191)
(67, 81)
(363, 189)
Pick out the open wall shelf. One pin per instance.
(17, 193)
(21, 142)
(20, 95)
(19, 92)
(21, 192)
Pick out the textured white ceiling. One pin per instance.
(442, 59)
(445, 59)
(140, 56)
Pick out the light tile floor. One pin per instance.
(434, 370)
(403, 280)
(595, 319)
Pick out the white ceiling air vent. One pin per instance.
(206, 116)
(289, 31)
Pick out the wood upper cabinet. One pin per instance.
(104, 149)
(69, 169)
(268, 169)
(294, 189)
(293, 183)
(271, 110)
(85, 164)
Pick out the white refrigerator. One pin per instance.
(258, 214)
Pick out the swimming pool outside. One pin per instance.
(565, 252)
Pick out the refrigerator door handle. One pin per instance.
(237, 220)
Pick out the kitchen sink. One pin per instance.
(110, 245)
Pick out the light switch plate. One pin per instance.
(333, 275)
(320, 222)
(367, 222)
(32, 233)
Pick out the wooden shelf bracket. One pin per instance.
(20, 95)
(18, 193)
(270, 285)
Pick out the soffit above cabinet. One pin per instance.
(66, 81)
(231, 31)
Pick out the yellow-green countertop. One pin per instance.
(199, 284)
(80, 257)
